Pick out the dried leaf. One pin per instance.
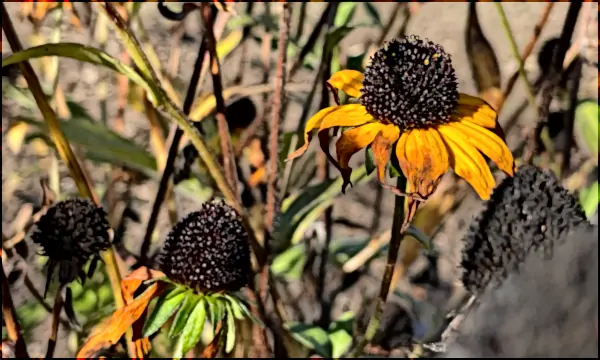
(131, 282)
(483, 60)
(111, 329)
(15, 136)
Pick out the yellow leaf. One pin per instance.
(15, 136)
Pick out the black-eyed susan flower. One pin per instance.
(208, 250)
(407, 101)
(70, 233)
(528, 212)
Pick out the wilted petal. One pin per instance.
(467, 162)
(423, 159)
(382, 148)
(313, 123)
(349, 81)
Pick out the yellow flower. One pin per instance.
(407, 100)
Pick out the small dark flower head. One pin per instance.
(70, 233)
(208, 250)
(411, 83)
(526, 213)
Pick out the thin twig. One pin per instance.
(8, 310)
(175, 138)
(386, 29)
(400, 223)
(537, 30)
(246, 30)
(573, 81)
(223, 128)
(301, 19)
(553, 78)
(56, 309)
(312, 40)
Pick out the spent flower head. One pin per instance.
(69, 234)
(409, 104)
(529, 212)
(208, 250)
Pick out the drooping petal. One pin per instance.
(346, 115)
(467, 162)
(475, 110)
(487, 142)
(423, 158)
(349, 81)
(313, 123)
(354, 140)
(382, 148)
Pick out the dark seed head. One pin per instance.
(411, 83)
(70, 233)
(530, 212)
(208, 250)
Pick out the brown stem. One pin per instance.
(10, 315)
(58, 305)
(175, 139)
(223, 128)
(553, 78)
(528, 49)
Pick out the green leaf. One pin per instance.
(313, 337)
(166, 305)
(235, 306)
(191, 300)
(86, 54)
(369, 160)
(344, 14)
(586, 126)
(102, 144)
(336, 35)
(290, 263)
(300, 210)
(230, 341)
(589, 199)
(373, 14)
(190, 335)
(394, 168)
(340, 334)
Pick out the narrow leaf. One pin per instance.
(235, 306)
(166, 305)
(190, 335)
(340, 334)
(586, 126)
(230, 340)
(313, 337)
(183, 314)
(290, 263)
(369, 160)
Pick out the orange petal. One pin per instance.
(488, 143)
(423, 159)
(354, 140)
(346, 115)
(475, 110)
(313, 123)
(382, 148)
(349, 81)
(467, 162)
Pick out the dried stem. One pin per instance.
(175, 139)
(215, 69)
(386, 29)
(573, 80)
(400, 223)
(58, 305)
(8, 309)
(553, 77)
(528, 49)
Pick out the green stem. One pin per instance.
(400, 223)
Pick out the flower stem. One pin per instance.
(404, 210)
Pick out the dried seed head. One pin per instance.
(208, 250)
(528, 212)
(70, 233)
(411, 83)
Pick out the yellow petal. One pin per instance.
(313, 123)
(423, 158)
(355, 139)
(467, 162)
(382, 148)
(349, 81)
(346, 115)
(488, 143)
(475, 110)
